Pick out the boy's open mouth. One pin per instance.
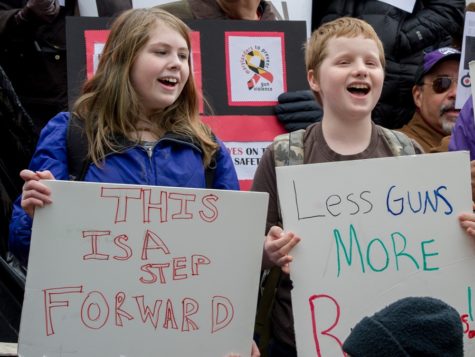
(360, 88)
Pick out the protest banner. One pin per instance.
(467, 55)
(124, 270)
(374, 231)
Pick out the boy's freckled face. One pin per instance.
(350, 78)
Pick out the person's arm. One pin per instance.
(467, 221)
(277, 246)
(458, 139)
(35, 193)
(472, 175)
(463, 134)
(254, 352)
(7, 19)
(35, 12)
(38, 10)
(278, 243)
(298, 109)
(428, 26)
(112, 7)
(50, 155)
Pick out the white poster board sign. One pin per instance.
(405, 5)
(120, 270)
(374, 231)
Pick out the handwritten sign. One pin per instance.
(374, 231)
(120, 270)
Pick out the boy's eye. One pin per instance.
(344, 60)
(372, 62)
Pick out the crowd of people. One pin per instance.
(370, 67)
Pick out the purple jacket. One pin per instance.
(463, 134)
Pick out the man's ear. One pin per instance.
(313, 81)
(417, 95)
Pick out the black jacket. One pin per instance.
(432, 24)
(33, 55)
(17, 143)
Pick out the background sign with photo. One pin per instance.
(468, 54)
(255, 67)
(123, 270)
(230, 116)
(374, 231)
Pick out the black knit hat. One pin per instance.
(413, 326)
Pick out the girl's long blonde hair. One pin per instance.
(109, 104)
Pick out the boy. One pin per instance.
(345, 70)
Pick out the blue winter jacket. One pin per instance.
(172, 163)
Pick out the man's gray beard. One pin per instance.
(447, 126)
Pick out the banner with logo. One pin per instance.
(256, 72)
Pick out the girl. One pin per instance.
(140, 118)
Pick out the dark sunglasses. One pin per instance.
(442, 84)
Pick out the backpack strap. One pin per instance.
(79, 160)
(288, 150)
(77, 149)
(399, 143)
(210, 171)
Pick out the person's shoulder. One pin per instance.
(466, 113)
(267, 13)
(61, 117)
(51, 150)
(180, 9)
(399, 142)
(58, 123)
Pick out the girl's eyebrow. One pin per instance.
(165, 44)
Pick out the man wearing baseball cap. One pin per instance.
(434, 96)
